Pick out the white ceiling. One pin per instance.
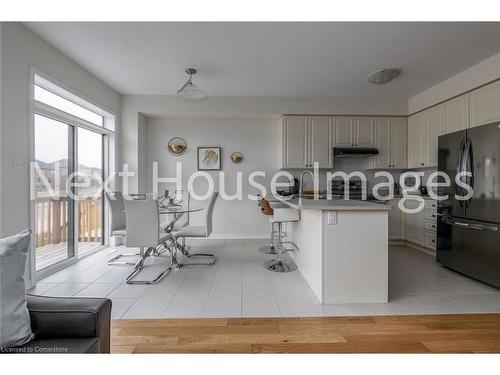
(304, 60)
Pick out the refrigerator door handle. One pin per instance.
(475, 226)
(460, 168)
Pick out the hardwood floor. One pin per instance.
(478, 333)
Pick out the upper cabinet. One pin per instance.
(434, 121)
(305, 140)
(416, 140)
(390, 140)
(344, 131)
(294, 154)
(485, 104)
(363, 131)
(456, 114)
(320, 141)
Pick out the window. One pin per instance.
(45, 96)
(72, 139)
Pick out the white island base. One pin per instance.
(343, 251)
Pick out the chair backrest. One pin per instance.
(143, 227)
(210, 212)
(183, 219)
(115, 201)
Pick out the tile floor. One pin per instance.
(237, 285)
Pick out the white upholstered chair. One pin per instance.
(143, 231)
(197, 231)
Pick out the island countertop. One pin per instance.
(333, 204)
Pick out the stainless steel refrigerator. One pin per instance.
(468, 231)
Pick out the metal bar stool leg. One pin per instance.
(282, 263)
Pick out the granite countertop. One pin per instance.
(334, 205)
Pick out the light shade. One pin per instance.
(380, 77)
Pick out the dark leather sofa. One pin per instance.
(68, 325)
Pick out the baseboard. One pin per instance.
(413, 246)
(238, 236)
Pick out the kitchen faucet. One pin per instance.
(301, 184)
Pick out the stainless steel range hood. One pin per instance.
(354, 152)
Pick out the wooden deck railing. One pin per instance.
(52, 220)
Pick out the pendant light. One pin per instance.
(190, 91)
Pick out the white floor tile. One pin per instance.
(222, 307)
(120, 306)
(298, 306)
(65, 289)
(128, 291)
(474, 303)
(336, 310)
(97, 290)
(371, 308)
(41, 287)
(238, 285)
(185, 307)
(441, 305)
(260, 306)
(147, 308)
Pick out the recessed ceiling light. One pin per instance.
(380, 77)
(190, 91)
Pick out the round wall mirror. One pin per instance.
(177, 146)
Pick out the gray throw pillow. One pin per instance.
(15, 324)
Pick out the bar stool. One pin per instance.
(268, 209)
(279, 264)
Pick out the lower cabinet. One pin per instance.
(421, 226)
(396, 220)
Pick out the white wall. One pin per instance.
(257, 139)
(234, 107)
(477, 75)
(20, 49)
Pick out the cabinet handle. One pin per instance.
(421, 163)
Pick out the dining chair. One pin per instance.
(117, 226)
(143, 231)
(197, 231)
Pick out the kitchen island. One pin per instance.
(343, 249)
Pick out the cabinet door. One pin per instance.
(294, 142)
(363, 130)
(394, 220)
(382, 142)
(456, 114)
(343, 131)
(320, 141)
(399, 140)
(485, 104)
(416, 140)
(414, 224)
(434, 121)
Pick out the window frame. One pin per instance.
(109, 140)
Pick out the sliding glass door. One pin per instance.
(90, 197)
(54, 209)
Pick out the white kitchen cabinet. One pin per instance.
(390, 140)
(307, 139)
(383, 143)
(485, 104)
(416, 140)
(415, 224)
(294, 153)
(354, 131)
(344, 131)
(456, 114)
(434, 121)
(363, 131)
(320, 141)
(395, 220)
(399, 141)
